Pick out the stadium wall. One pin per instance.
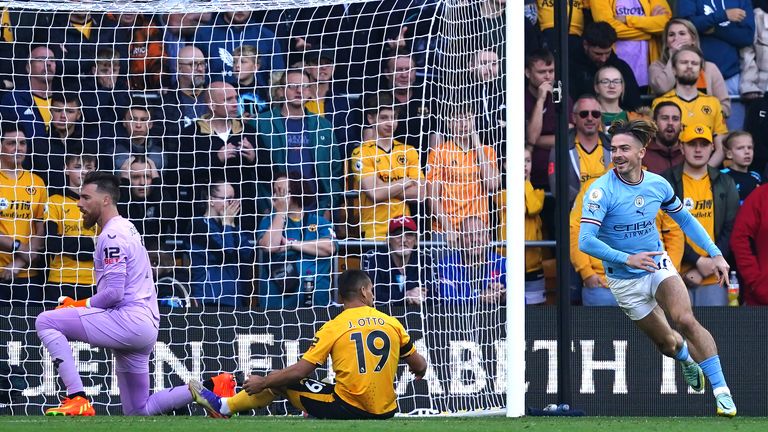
(616, 370)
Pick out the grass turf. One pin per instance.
(476, 424)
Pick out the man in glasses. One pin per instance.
(303, 144)
(30, 100)
(696, 107)
(589, 148)
(187, 103)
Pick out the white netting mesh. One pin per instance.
(263, 151)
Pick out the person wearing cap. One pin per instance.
(696, 107)
(399, 272)
(713, 200)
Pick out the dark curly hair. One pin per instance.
(642, 130)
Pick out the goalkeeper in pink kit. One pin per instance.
(122, 315)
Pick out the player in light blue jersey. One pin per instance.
(618, 226)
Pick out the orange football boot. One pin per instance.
(76, 406)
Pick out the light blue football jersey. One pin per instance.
(625, 214)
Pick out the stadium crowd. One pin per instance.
(697, 69)
(250, 143)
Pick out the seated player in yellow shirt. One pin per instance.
(365, 346)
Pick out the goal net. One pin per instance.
(263, 148)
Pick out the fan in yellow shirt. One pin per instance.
(639, 27)
(22, 202)
(385, 171)
(696, 107)
(546, 15)
(534, 204)
(70, 245)
(365, 347)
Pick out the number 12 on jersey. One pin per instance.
(370, 343)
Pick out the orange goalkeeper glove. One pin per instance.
(69, 302)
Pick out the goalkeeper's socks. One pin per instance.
(714, 373)
(683, 355)
(242, 401)
(76, 394)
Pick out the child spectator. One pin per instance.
(534, 203)
(106, 92)
(739, 150)
(252, 99)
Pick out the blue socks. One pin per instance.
(683, 355)
(714, 373)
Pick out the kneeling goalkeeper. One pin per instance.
(365, 346)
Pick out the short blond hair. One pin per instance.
(246, 51)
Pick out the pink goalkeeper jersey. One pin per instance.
(120, 249)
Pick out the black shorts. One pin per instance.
(319, 400)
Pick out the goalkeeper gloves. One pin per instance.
(68, 302)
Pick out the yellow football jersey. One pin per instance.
(5, 24)
(703, 109)
(316, 106)
(63, 210)
(365, 346)
(44, 107)
(699, 201)
(371, 160)
(22, 200)
(85, 29)
(546, 15)
(591, 164)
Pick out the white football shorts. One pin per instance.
(637, 297)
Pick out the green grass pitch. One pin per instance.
(475, 424)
